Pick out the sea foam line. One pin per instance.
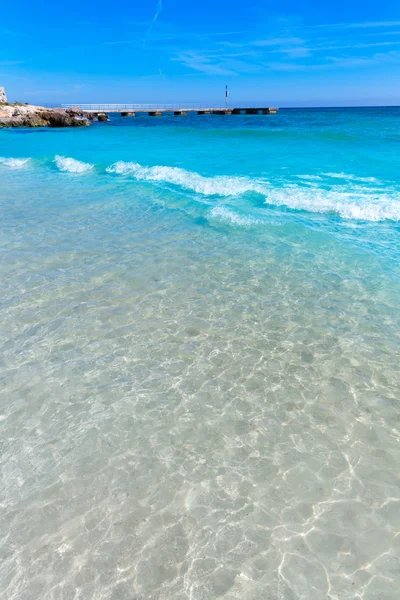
(350, 203)
(354, 202)
(14, 163)
(222, 213)
(351, 177)
(71, 165)
(209, 186)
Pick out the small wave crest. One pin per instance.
(345, 176)
(352, 204)
(310, 177)
(222, 213)
(209, 186)
(14, 163)
(350, 201)
(71, 165)
(350, 177)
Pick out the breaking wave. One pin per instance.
(71, 165)
(14, 163)
(209, 186)
(350, 201)
(349, 204)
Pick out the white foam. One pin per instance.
(310, 177)
(222, 213)
(71, 165)
(349, 201)
(354, 204)
(209, 186)
(14, 163)
(351, 177)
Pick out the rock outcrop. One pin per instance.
(26, 115)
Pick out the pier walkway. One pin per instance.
(157, 110)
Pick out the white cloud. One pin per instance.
(372, 24)
(202, 63)
(293, 41)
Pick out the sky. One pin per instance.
(284, 53)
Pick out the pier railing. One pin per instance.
(146, 107)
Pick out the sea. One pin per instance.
(200, 358)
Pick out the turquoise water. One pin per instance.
(200, 343)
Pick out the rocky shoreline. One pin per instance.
(27, 115)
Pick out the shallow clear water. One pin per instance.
(200, 342)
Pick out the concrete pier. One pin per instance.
(155, 110)
(254, 111)
(224, 111)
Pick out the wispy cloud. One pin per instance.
(338, 62)
(286, 66)
(294, 51)
(358, 25)
(159, 8)
(278, 41)
(303, 52)
(372, 24)
(277, 44)
(347, 46)
(205, 64)
(359, 61)
(292, 47)
(297, 53)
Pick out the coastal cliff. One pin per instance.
(27, 115)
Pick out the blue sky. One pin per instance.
(286, 53)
